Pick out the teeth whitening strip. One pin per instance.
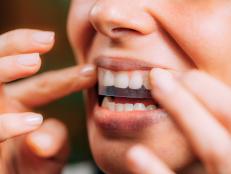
(129, 84)
(128, 93)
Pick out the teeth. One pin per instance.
(147, 84)
(107, 103)
(128, 107)
(139, 107)
(119, 107)
(151, 107)
(111, 106)
(108, 78)
(101, 76)
(121, 80)
(136, 80)
(106, 100)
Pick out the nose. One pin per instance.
(113, 18)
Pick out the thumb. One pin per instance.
(50, 141)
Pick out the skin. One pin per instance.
(204, 112)
(191, 38)
(33, 145)
(185, 36)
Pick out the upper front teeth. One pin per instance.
(121, 80)
(136, 80)
(108, 78)
(124, 79)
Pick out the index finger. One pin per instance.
(142, 161)
(199, 126)
(50, 140)
(214, 94)
(51, 86)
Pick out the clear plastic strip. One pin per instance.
(128, 93)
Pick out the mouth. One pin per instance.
(125, 103)
(125, 91)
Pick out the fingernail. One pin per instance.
(29, 59)
(88, 70)
(162, 79)
(34, 120)
(44, 37)
(43, 141)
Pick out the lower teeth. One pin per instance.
(109, 104)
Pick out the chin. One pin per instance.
(121, 118)
(164, 140)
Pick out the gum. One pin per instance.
(128, 93)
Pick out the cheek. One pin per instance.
(214, 49)
(79, 29)
(203, 33)
(209, 45)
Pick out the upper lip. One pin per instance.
(125, 64)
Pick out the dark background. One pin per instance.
(52, 15)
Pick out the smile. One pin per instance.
(129, 90)
(125, 103)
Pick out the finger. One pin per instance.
(15, 124)
(52, 85)
(49, 141)
(214, 94)
(142, 161)
(23, 41)
(201, 129)
(19, 66)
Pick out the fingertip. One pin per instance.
(87, 70)
(144, 161)
(49, 139)
(154, 72)
(15, 124)
(136, 154)
(42, 41)
(86, 76)
(136, 159)
(27, 64)
(29, 60)
(162, 80)
(33, 119)
(22, 41)
(41, 143)
(44, 37)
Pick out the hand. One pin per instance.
(33, 147)
(200, 105)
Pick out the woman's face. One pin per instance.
(125, 38)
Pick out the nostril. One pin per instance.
(123, 30)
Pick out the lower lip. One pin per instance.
(126, 122)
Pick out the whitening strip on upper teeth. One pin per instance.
(127, 92)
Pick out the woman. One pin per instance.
(182, 48)
(188, 39)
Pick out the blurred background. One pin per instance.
(52, 15)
